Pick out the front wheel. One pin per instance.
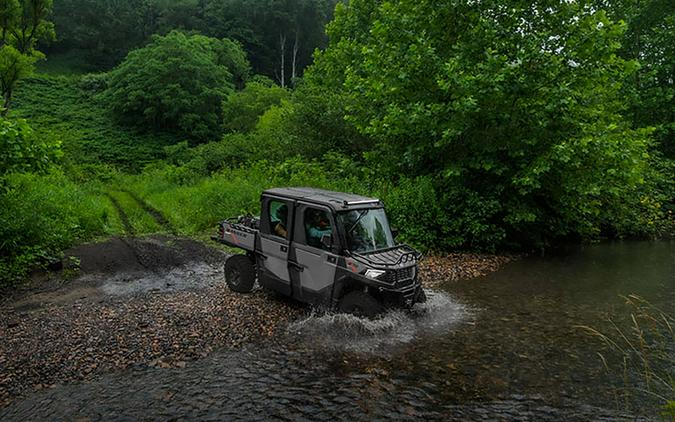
(361, 304)
(239, 273)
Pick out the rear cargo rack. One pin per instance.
(391, 257)
(246, 224)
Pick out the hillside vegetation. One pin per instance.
(510, 129)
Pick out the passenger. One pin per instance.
(282, 216)
(318, 228)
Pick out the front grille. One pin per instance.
(401, 277)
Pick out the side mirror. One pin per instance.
(327, 241)
(394, 233)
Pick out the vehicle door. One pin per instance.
(313, 262)
(275, 237)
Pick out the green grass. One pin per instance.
(113, 224)
(56, 106)
(42, 215)
(141, 222)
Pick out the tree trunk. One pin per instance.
(282, 74)
(7, 102)
(295, 56)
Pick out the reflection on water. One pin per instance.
(344, 332)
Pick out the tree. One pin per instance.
(175, 83)
(22, 25)
(102, 32)
(242, 109)
(650, 40)
(513, 110)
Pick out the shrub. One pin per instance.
(21, 150)
(177, 82)
(232, 151)
(413, 207)
(40, 215)
(242, 109)
(94, 82)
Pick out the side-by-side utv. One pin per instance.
(325, 248)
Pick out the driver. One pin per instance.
(319, 227)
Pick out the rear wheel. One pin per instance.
(239, 273)
(361, 304)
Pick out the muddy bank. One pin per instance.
(158, 301)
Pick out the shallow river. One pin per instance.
(505, 346)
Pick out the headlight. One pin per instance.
(372, 273)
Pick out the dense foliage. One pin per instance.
(21, 151)
(40, 215)
(279, 35)
(512, 110)
(242, 109)
(177, 83)
(650, 39)
(82, 122)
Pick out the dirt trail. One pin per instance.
(140, 261)
(154, 213)
(124, 218)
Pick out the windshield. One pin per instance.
(367, 230)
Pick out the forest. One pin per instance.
(483, 126)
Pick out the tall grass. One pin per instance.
(40, 215)
(195, 204)
(645, 352)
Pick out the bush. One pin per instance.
(232, 151)
(177, 82)
(242, 109)
(40, 215)
(94, 82)
(21, 150)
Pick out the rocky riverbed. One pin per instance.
(152, 302)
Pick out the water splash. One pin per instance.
(351, 333)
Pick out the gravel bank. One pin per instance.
(437, 269)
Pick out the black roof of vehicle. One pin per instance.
(338, 201)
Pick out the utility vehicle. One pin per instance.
(329, 249)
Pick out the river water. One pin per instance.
(505, 346)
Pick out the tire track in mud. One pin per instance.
(128, 228)
(124, 218)
(153, 212)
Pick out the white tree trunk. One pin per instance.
(282, 74)
(296, 46)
